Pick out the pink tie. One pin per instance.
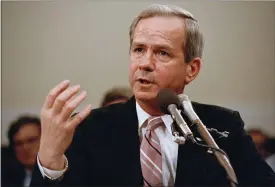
(150, 154)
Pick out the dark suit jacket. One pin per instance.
(105, 151)
(12, 171)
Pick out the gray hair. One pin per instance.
(193, 41)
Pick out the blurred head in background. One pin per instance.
(24, 137)
(116, 95)
(259, 138)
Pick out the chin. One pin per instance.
(145, 96)
(145, 92)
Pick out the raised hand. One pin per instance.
(57, 124)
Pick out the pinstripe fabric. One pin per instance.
(150, 154)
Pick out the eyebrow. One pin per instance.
(161, 46)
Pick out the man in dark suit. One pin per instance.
(131, 143)
(19, 158)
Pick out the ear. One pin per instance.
(192, 70)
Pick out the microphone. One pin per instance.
(220, 155)
(169, 103)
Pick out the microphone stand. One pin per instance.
(220, 154)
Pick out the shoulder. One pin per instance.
(111, 111)
(212, 109)
(218, 116)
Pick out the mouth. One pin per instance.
(144, 81)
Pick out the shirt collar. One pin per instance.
(28, 172)
(143, 116)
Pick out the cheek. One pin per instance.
(132, 70)
(163, 74)
(179, 78)
(170, 76)
(20, 154)
(133, 67)
(18, 150)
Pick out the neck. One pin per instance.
(150, 107)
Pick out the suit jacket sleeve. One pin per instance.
(250, 168)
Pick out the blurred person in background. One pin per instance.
(259, 138)
(20, 157)
(116, 95)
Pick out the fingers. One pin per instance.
(78, 118)
(71, 105)
(54, 93)
(63, 98)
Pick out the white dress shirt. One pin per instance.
(28, 178)
(169, 148)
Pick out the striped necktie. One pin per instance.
(150, 154)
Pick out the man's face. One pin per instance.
(26, 144)
(157, 57)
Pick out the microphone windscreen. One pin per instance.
(183, 97)
(165, 98)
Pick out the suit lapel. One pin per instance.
(131, 136)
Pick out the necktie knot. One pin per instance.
(154, 122)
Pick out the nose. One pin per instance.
(26, 146)
(147, 63)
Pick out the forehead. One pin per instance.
(27, 130)
(160, 30)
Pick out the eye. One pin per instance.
(32, 139)
(138, 52)
(18, 143)
(138, 49)
(163, 53)
(163, 56)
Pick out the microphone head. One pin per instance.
(165, 98)
(188, 108)
(183, 97)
